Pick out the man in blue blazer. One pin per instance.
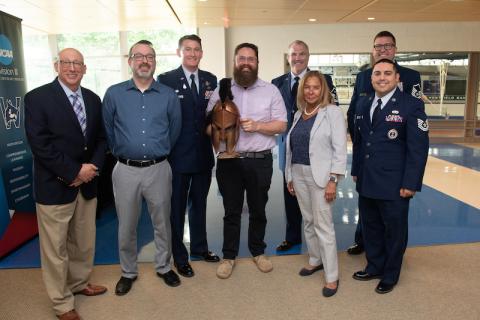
(390, 150)
(298, 55)
(384, 47)
(63, 123)
(192, 156)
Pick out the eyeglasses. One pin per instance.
(243, 59)
(139, 57)
(69, 64)
(190, 50)
(386, 46)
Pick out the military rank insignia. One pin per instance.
(422, 125)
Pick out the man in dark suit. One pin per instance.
(192, 156)
(64, 128)
(390, 151)
(298, 55)
(384, 47)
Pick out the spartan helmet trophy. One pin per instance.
(225, 121)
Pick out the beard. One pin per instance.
(144, 74)
(245, 78)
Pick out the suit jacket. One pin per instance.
(327, 145)
(409, 83)
(392, 153)
(283, 83)
(193, 150)
(58, 145)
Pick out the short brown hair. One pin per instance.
(385, 34)
(247, 45)
(192, 37)
(325, 95)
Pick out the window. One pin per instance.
(443, 78)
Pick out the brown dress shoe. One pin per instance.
(92, 290)
(70, 315)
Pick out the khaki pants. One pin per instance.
(67, 246)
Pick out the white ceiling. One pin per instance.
(64, 16)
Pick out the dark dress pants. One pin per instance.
(358, 232)
(189, 190)
(293, 233)
(235, 176)
(385, 235)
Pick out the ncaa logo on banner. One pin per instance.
(6, 50)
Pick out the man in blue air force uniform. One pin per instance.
(298, 55)
(390, 150)
(384, 47)
(192, 156)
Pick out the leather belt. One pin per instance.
(141, 163)
(255, 155)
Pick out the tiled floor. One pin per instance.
(446, 211)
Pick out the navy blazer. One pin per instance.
(392, 153)
(193, 151)
(409, 83)
(58, 145)
(283, 83)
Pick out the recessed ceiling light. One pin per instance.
(312, 19)
(370, 18)
(202, 0)
(205, 22)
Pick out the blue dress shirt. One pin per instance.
(141, 125)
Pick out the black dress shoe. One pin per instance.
(327, 292)
(170, 278)
(384, 287)
(365, 276)
(285, 246)
(308, 272)
(124, 285)
(185, 270)
(355, 249)
(207, 256)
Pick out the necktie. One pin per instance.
(77, 107)
(376, 111)
(294, 95)
(295, 89)
(193, 87)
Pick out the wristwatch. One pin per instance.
(333, 178)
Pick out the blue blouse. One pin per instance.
(300, 140)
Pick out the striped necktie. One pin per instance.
(77, 107)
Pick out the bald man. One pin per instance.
(65, 131)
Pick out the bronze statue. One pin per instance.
(225, 121)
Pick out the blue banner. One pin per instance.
(15, 155)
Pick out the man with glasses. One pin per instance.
(384, 47)
(63, 123)
(262, 116)
(191, 158)
(298, 56)
(142, 120)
